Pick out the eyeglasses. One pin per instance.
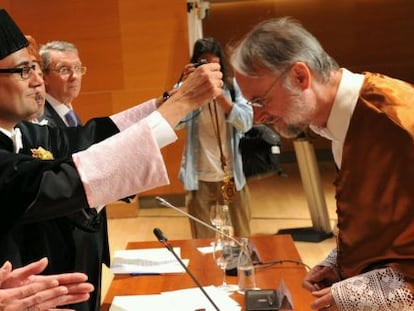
(66, 70)
(259, 102)
(25, 72)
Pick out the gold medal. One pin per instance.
(228, 189)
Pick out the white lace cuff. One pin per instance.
(376, 290)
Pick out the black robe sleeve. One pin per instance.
(33, 190)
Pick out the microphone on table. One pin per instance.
(168, 204)
(232, 270)
(253, 251)
(164, 241)
(162, 238)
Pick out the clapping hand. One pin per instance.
(23, 289)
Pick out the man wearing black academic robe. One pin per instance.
(55, 197)
(65, 176)
(85, 231)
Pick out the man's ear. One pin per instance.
(300, 75)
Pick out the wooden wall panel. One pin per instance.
(362, 35)
(359, 34)
(154, 45)
(134, 50)
(96, 104)
(96, 35)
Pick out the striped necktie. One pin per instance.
(71, 118)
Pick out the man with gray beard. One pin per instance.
(293, 84)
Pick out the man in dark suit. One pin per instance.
(62, 73)
(84, 233)
(52, 118)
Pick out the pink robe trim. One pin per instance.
(126, 118)
(124, 164)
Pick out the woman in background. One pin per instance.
(212, 157)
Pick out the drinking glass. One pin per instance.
(217, 215)
(223, 255)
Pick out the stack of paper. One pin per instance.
(147, 261)
(180, 300)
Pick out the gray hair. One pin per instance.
(276, 44)
(54, 46)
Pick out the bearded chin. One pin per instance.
(289, 131)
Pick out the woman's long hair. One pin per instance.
(211, 45)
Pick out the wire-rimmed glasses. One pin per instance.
(260, 101)
(68, 70)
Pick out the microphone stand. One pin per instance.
(165, 242)
(168, 204)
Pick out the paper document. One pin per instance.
(149, 260)
(180, 300)
(206, 250)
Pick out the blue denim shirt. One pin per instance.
(239, 121)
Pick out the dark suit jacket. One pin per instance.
(53, 118)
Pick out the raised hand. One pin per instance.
(22, 289)
(200, 87)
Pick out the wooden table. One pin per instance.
(274, 247)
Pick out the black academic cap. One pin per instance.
(11, 37)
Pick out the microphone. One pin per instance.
(232, 267)
(162, 238)
(164, 241)
(168, 204)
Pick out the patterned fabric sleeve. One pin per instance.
(124, 164)
(129, 117)
(377, 290)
